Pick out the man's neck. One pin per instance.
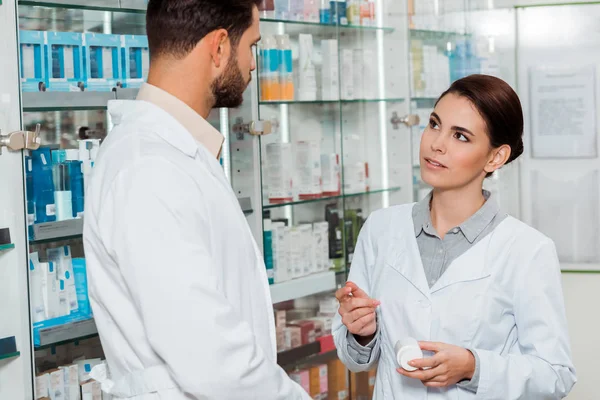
(189, 88)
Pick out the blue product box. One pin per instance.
(64, 55)
(34, 71)
(77, 188)
(102, 61)
(43, 185)
(29, 192)
(338, 12)
(135, 59)
(84, 311)
(81, 287)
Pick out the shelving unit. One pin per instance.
(299, 102)
(71, 101)
(6, 247)
(67, 333)
(302, 287)
(330, 198)
(368, 116)
(10, 355)
(60, 230)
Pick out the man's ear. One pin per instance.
(218, 41)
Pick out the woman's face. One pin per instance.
(455, 147)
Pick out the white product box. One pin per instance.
(51, 300)
(358, 73)
(279, 172)
(296, 253)
(71, 376)
(57, 385)
(330, 174)
(330, 75)
(369, 63)
(91, 390)
(321, 235)
(281, 252)
(307, 160)
(328, 306)
(42, 386)
(355, 178)
(347, 90)
(308, 258)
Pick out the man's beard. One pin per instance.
(228, 89)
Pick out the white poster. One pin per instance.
(566, 210)
(563, 112)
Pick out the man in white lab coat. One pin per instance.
(177, 284)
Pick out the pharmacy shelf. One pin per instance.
(139, 6)
(67, 333)
(329, 26)
(10, 355)
(129, 6)
(5, 247)
(580, 268)
(298, 354)
(318, 102)
(60, 230)
(302, 287)
(65, 101)
(330, 198)
(434, 35)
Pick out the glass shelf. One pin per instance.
(139, 7)
(425, 34)
(329, 198)
(130, 6)
(290, 102)
(61, 334)
(65, 101)
(10, 355)
(5, 247)
(333, 26)
(60, 230)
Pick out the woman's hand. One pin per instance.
(357, 311)
(449, 365)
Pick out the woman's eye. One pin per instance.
(433, 124)
(461, 137)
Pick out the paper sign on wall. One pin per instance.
(563, 112)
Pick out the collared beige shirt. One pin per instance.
(197, 126)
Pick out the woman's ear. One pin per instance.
(498, 158)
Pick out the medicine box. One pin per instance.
(32, 61)
(64, 60)
(135, 60)
(102, 61)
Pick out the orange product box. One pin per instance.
(337, 381)
(362, 385)
(319, 382)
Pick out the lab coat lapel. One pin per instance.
(472, 265)
(404, 257)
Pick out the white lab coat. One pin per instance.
(502, 298)
(177, 284)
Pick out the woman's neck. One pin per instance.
(450, 208)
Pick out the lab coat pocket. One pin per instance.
(460, 310)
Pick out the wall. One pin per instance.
(581, 293)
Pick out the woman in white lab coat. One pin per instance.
(480, 290)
